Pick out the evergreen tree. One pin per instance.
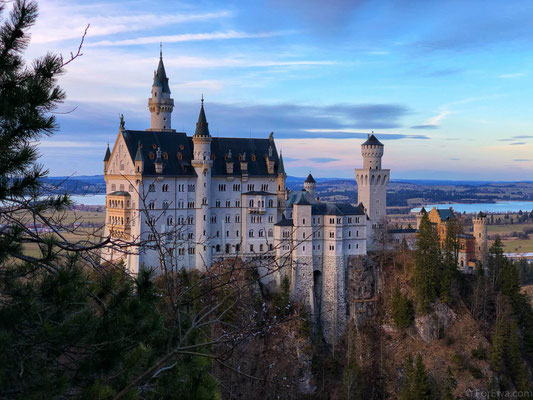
(427, 265)
(449, 386)
(416, 384)
(401, 310)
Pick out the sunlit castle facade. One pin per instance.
(202, 197)
(196, 200)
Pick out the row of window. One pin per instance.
(121, 187)
(261, 233)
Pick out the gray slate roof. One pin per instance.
(284, 221)
(336, 209)
(310, 179)
(160, 77)
(107, 154)
(202, 128)
(372, 141)
(173, 143)
(445, 214)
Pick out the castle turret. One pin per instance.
(372, 183)
(202, 164)
(106, 158)
(310, 185)
(419, 217)
(139, 161)
(160, 104)
(480, 234)
(281, 192)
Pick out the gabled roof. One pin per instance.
(445, 214)
(174, 143)
(302, 201)
(372, 141)
(284, 221)
(107, 154)
(297, 196)
(422, 211)
(160, 76)
(310, 179)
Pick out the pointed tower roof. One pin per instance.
(281, 168)
(139, 154)
(107, 154)
(372, 141)
(160, 76)
(202, 128)
(310, 179)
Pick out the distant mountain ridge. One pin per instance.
(94, 184)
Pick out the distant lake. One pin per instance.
(89, 200)
(499, 207)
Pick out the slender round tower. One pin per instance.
(480, 234)
(372, 181)
(202, 164)
(160, 104)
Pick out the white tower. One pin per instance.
(372, 183)
(202, 164)
(160, 104)
(310, 185)
(480, 234)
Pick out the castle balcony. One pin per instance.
(256, 210)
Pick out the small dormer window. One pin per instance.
(154, 146)
(212, 156)
(180, 157)
(165, 156)
(155, 94)
(240, 157)
(151, 155)
(253, 157)
(181, 147)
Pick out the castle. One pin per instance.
(472, 248)
(210, 198)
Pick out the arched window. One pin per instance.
(251, 233)
(251, 203)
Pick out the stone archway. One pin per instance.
(317, 296)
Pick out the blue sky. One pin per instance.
(446, 85)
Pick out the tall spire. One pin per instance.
(160, 76)
(202, 128)
(281, 168)
(107, 154)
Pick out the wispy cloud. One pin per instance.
(425, 126)
(324, 159)
(512, 76)
(62, 21)
(522, 159)
(433, 122)
(186, 37)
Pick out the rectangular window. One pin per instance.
(236, 187)
(222, 187)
